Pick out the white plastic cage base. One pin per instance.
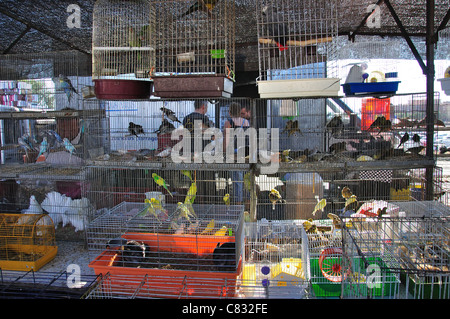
(324, 87)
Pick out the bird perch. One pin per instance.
(303, 43)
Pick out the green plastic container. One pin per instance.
(217, 54)
(323, 288)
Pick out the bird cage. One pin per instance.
(27, 241)
(171, 244)
(123, 52)
(413, 248)
(195, 44)
(297, 48)
(274, 264)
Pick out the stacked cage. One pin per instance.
(195, 48)
(170, 245)
(27, 241)
(414, 250)
(44, 143)
(274, 264)
(123, 51)
(297, 48)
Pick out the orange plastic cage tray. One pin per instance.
(171, 283)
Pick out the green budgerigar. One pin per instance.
(190, 196)
(161, 182)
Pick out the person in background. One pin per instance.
(235, 120)
(205, 179)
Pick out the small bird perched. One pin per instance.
(43, 148)
(277, 29)
(200, 5)
(346, 192)
(170, 114)
(222, 231)
(165, 128)
(68, 146)
(335, 125)
(416, 138)
(187, 173)
(184, 212)
(274, 197)
(292, 128)
(149, 209)
(381, 212)
(226, 199)
(135, 129)
(403, 140)
(209, 227)
(161, 182)
(190, 196)
(320, 205)
(350, 203)
(67, 86)
(382, 124)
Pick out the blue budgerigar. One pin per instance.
(43, 148)
(68, 146)
(67, 86)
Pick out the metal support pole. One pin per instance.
(430, 42)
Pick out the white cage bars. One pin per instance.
(274, 264)
(195, 43)
(123, 48)
(297, 48)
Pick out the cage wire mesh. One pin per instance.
(43, 284)
(196, 47)
(297, 40)
(123, 40)
(274, 260)
(149, 131)
(42, 98)
(199, 247)
(413, 249)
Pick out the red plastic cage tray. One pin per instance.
(117, 89)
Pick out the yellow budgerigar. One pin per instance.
(226, 199)
(149, 209)
(222, 231)
(209, 227)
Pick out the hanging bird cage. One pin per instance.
(195, 43)
(297, 48)
(123, 53)
(27, 241)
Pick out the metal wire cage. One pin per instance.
(27, 241)
(413, 249)
(123, 51)
(297, 44)
(178, 249)
(274, 266)
(195, 43)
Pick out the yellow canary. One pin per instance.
(319, 206)
(274, 196)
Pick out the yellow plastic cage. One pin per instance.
(27, 241)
